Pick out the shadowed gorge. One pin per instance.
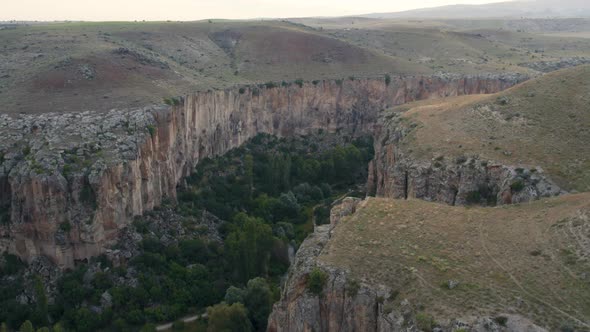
(136, 158)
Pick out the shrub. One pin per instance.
(315, 82)
(460, 160)
(172, 101)
(242, 90)
(351, 78)
(473, 197)
(65, 226)
(270, 85)
(87, 196)
(393, 294)
(387, 79)
(567, 327)
(352, 287)
(503, 100)
(178, 325)
(299, 82)
(501, 320)
(152, 130)
(517, 186)
(26, 150)
(316, 281)
(27, 326)
(224, 317)
(425, 322)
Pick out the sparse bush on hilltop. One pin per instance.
(387, 79)
(270, 85)
(352, 287)
(172, 101)
(425, 322)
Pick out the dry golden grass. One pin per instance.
(543, 122)
(530, 259)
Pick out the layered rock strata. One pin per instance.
(70, 182)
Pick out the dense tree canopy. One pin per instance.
(270, 192)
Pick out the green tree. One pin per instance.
(148, 328)
(228, 318)
(248, 247)
(259, 302)
(27, 326)
(85, 320)
(234, 295)
(249, 173)
(40, 313)
(316, 281)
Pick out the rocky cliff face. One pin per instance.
(395, 172)
(346, 304)
(70, 182)
(336, 309)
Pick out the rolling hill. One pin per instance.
(515, 9)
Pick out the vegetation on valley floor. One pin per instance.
(270, 192)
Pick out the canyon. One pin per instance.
(71, 181)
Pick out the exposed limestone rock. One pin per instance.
(69, 183)
(396, 173)
(335, 309)
(346, 207)
(549, 66)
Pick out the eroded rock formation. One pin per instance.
(70, 182)
(396, 173)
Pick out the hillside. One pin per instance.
(541, 123)
(528, 260)
(65, 67)
(531, 8)
(99, 66)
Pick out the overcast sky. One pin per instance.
(107, 10)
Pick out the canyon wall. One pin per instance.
(396, 172)
(348, 304)
(70, 182)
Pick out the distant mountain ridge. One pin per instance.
(511, 9)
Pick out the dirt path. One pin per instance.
(187, 319)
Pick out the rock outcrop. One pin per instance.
(70, 182)
(396, 173)
(346, 304)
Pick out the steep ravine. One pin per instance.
(70, 182)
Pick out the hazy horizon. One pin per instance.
(188, 10)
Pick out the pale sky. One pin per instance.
(188, 10)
